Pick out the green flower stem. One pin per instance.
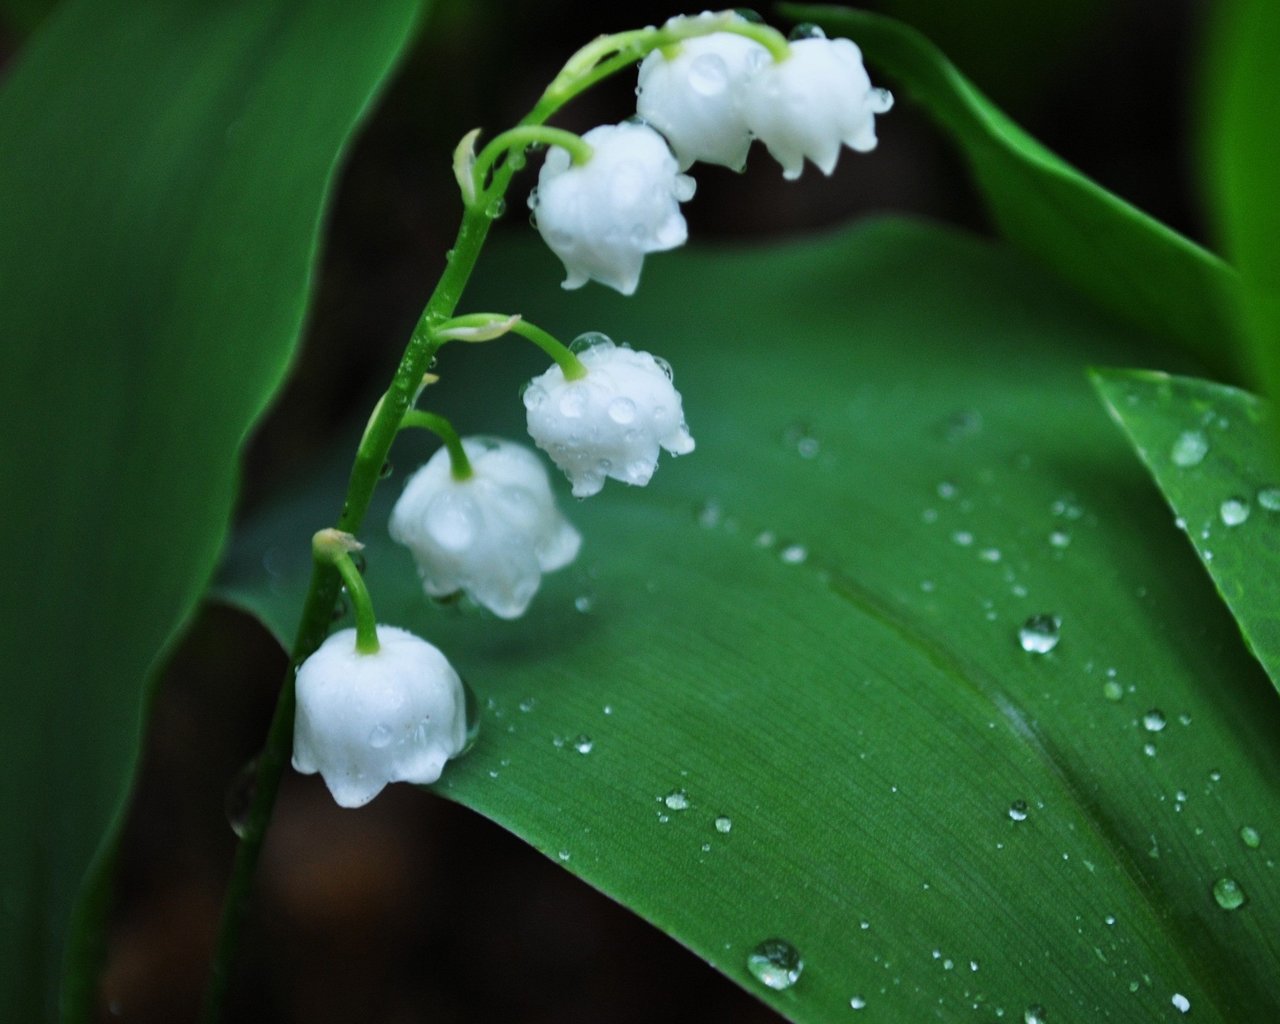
(459, 464)
(561, 353)
(521, 137)
(333, 547)
(595, 61)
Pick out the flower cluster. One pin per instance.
(377, 704)
(709, 96)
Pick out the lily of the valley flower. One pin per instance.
(813, 102)
(611, 422)
(603, 216)
(693, 97)
(491, 535)
(363, 720)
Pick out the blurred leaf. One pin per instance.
(1121, 258)
(165, 167)
(810, 626)
(1244, 82)
(1208, 447)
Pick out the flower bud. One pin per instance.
(492, 535)
(810, 104)
(363, 720)
(611, 422)
(602, 217)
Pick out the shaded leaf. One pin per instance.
(165, 167)
(1245, 151)
(1120, 257)
(810, 627)
(1207, 445)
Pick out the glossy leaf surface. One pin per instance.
(810, 631)
(1208, 447)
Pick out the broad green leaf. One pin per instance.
(1245, 151)
(810, 626)
(165, 169)
(1121, 258)
(1208, 447)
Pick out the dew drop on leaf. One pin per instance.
(1180, 1002)
(1228, 894)
(1269, 498)
(1040, 633)
(677, 800)
(1153, 720)
(776, 963)
(1034, 1014)
(1018, 810)
(1249, 836)
(1189, 449)
(724, 823)
(1233, 511)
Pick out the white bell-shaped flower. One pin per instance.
(611, 422)
(813, 102)
(602, 217)
(364, 720)
(694, 97)
(492, 535)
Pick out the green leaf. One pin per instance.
(1126, 261)
(1245, 152)
(165, 168)
(810, 627)
(1208, 447)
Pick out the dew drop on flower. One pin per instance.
(708, 75)
(1228, 894)
(1233, 511)
(239, 797)
(1189, 449)
(380, 737)
(776, 963)
(806, 30)
(1040, 633)
(622, 410)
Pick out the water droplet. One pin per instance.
(1034, 1014)
(765, 539)
(947, 490)
(989, 554)
(1269, 498)
(724, 823)
(1249, 836)
(564, 855)
(1215, 775)
(583, 744)
(584, 603)
(1060, 539)
(1112, 690)
(962, 537)
(496, 208)
(528, 704)
(708, 75)
(573, 402)
(238, 798)
(1153, 720)
(1040, 633)
(794, 554)
(1180, 1002)
(1189, 449)
(1228, 894)
(380, 737)
(776, 963)
(1149, 749)
(709, 513)
(622, 411)
(1234, 511)
(806, 30)
(1018, 810)
(385, 470)
(339, 609)
(857, 1003)
(677, 800)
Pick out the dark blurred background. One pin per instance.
(400, 912)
